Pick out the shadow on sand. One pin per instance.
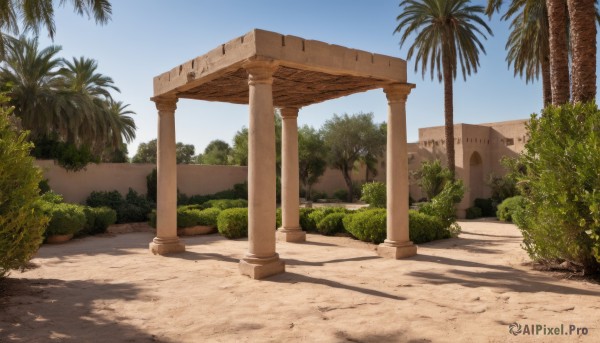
(48, 310)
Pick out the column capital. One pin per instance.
(165, 104)
(398, 92)
(260, 72)
(289, 112)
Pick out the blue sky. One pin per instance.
(148, 37)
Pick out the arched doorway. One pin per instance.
(476, 181)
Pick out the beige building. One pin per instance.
(479, 150)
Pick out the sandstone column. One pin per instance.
(290, 230)
(166, 240)
(397, 245)
(261, 260)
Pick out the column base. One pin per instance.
(396, 250)
(162, 246)
(259, 268)
(291, 235)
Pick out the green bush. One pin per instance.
(132, 208)
(306, 222)
(367, 226)
(65, 219)
(233, 223)
(425, 228)
(443, 205)
(187, 218)
(193, 207)
(474, 212)
(557, 174)
(502, 187)
(112, 199)
(487, 206)
(370, 226)
(374, 194)
(21, 222)
(151, 184)
(98, 219)
(240, 191)
(208, 217)
(509, 206)
(224, 204)
(152, 219)
(432, 178)
(318, 214)
(331, 224)
(52, 197)
(278, 218)
(341, 195)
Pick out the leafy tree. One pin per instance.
(21, 223)
(216, 153)
(185, 153)
(146, 153)
(239, 152)
(31, 15)
(348, 139)
(432, 177)
(446, 34)
(311, 157)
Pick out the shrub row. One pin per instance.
(130, 209)
(188, 216)
(66, 219)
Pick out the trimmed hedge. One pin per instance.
(510, 206)
(224, 204)
(208, 217)
(306, 222)
(98, 219)
(332, 223)
(233, 223)
(425, 228)
(474, 212)
(187, 216)
(318, 214)
(367, 226)
(370, 226)
(65, 219)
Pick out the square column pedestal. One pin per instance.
(260, 268)
(407, 249)
(162, 246)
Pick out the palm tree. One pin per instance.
(31, 15)
(559, 51)
(92, 91)
(446, 35)
(34, 83)
(122, 124)
(582, 18)
(527, 46)
(65, 101)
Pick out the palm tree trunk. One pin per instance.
(546, 87)
(448, 112)
(582, 16)
(559, 52)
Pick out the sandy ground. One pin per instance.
(469, 289)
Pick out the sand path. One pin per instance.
(468, 289)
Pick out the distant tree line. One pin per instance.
(344, 143)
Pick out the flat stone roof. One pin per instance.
(308, 71)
